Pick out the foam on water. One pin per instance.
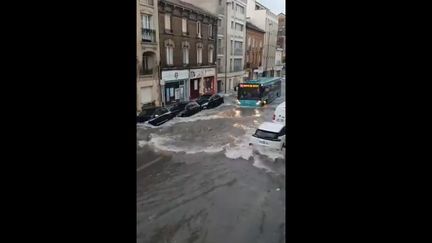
(166, 144)
(260, 164)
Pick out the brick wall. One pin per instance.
(177, 14)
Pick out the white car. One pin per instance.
(269, 134)
(279, 114)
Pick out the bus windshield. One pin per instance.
(249, 93)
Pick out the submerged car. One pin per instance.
(145, 114)
(269, 134)
(190, 109)
(214, 101)
(203, 99)
(178, 107)
(160, 116)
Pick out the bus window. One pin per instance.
(248, 93)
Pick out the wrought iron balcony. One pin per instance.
(148, 35)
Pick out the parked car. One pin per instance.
(145, 114)
(214, 101)
(203, 99)
(160, 116)
(178, 107)
(190, 109)
(279, 114)
(270, 135)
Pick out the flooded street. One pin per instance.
(198, 180)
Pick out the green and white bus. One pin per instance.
(256, 93)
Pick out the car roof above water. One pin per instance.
(271, 127)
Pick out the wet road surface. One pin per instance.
(198, 179)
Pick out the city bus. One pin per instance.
(255, 93)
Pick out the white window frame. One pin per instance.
(210, 54)
(146, 21)
(185, 55)
(167, 21)
(210, 27)
(199, 29)
(184, 25)
(199, 55)
(170, 55)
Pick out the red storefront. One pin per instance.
(207, 79)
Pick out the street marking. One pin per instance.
(148, 164)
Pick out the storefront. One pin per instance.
(175, 86)
(202, 81)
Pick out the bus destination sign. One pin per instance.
(249, 86)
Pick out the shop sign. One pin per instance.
(175, 75)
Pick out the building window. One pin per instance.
(231, 64)
(232, 5)
(146, 22)
(219, 22)
(219, 65)
(185, 50)
(210, 54)
(199, 29)
(148, 59)
(239, 27)
(167, 22)
(220, 2)
(232, 24)
(249, 42)
(199, 53)
(237, 65)
(210, 27)
(219, 46)
(184, 25)
(169, 49)
(238, 48)
(232, 47)
(148, 34)
(240, 9)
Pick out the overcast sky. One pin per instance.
(276, 6)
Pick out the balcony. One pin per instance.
(148, 35)
(146, 72)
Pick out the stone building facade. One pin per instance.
(188, 37)
(148, 89)
(254, 51)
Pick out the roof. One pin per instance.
(190, 7)
(253, 27)
(262, 80)
(271, 127)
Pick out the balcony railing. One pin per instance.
(146, 71)
(148, 35)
